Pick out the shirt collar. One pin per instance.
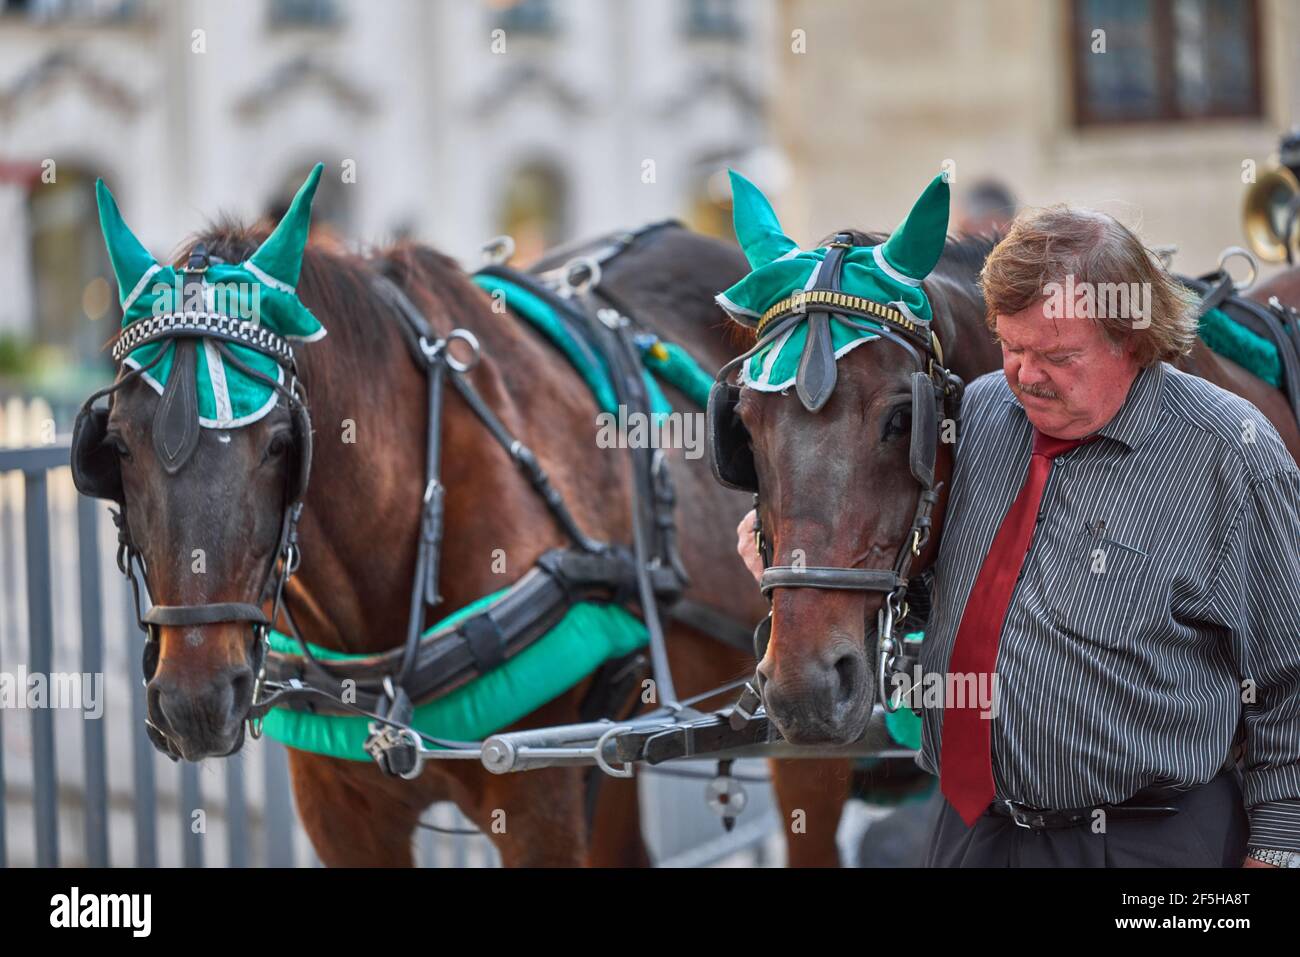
(1135, 418)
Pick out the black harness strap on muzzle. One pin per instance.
(171, 616)
(840, 579)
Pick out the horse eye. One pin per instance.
(114, 441)
(279, 445)
(900, 423)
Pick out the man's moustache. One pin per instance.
(1035, 393)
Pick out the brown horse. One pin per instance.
(861, 498)
(359, 532)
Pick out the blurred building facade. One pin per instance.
(557, 119)
(548, 119)
(1154, 130)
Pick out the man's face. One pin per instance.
(1068, 375)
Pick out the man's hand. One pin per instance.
(747, 546)
(1251, 862)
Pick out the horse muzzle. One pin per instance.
(199, 682)
(819, 699)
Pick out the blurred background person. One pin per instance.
(985, 209)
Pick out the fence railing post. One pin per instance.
(40, 657)
(95, 759)
(277, 805)
(191, 801)
(238, 842)
(145, 805)
(4, 854)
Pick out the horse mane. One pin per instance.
(963, 256)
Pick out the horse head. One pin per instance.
(834, 425)
(205, 448)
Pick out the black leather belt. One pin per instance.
(1152, 802)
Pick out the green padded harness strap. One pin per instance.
(1234, 341)
(588, 636)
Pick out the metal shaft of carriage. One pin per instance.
(652, 739)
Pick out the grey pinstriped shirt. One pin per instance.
(1110, 681)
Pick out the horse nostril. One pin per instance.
(154, 706)
(847, 674)
(241, 690)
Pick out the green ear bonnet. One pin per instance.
(262, 289)
(889, 274)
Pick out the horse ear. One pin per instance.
(131, 261)
(757, 229)
(915, 247)
(280, 257)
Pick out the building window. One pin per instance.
(712, 18)
(709, 203)
(1165, 60)
(525, 16)
(533, 210)
(331, 211)
(75, 294)
(304, 13)
(44, 10)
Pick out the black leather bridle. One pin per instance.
(95, 469)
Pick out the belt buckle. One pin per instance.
(1025, 817)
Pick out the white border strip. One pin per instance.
(217, 376)
(889, 270)
(266, 278)
(212, 423)
(763, 386)
(902, 307)
(730, 307)
(149, 273)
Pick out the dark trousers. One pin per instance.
(1209, 830)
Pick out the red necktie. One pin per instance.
(965, 761)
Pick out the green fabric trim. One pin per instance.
(1234, 341)
(904, 727)
(776, 366)
(678, 368)
(591, 367)
(588, 636)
